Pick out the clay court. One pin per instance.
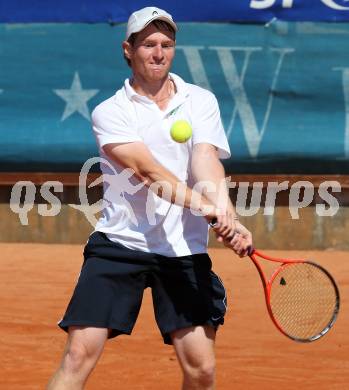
(36, 282)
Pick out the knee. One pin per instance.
(202, 376)
(75, 359)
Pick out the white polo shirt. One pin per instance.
(133, 215)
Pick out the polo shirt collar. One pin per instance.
(131, 93)
(181, 86)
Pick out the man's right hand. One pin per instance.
(233, 235)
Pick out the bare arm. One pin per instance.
(136, 155)
(207, 168)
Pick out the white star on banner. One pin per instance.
(76, 98)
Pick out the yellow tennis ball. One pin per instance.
(181, 131)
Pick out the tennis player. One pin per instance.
(162, 242)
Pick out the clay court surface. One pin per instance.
(36, 284)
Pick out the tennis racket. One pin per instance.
(302, 297)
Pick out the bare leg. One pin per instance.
(83, 349)
(194, 347)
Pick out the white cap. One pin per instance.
(141, 18)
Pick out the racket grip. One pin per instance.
(213, 222)
(250, 251)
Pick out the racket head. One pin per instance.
(303, 300)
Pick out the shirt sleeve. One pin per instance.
(208, 127)
(111, 124)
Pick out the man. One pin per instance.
(164, 244)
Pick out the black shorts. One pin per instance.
(108, 294)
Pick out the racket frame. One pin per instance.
(267, 284)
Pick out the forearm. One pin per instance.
(211, 182)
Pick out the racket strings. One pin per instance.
(303, 300)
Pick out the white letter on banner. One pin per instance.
(196, 66)
(261, 4)
(287, 3)
(333, 5)
(235, 82)
(345, 80)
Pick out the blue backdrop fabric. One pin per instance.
(283, 91)
(112, 11)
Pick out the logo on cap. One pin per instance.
(155, 13)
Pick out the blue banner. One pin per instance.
(109, 11)
(283, 91)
